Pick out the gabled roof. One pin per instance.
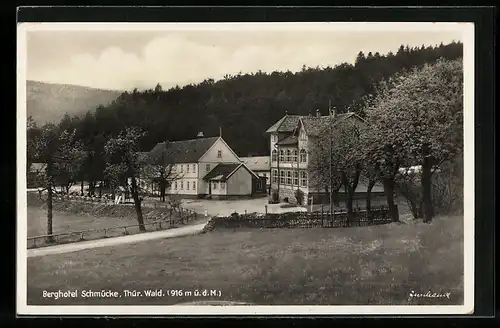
(312, 124)
(185, 151)
(257, 163)
(286, 124)
(223, 171)
(315, 126)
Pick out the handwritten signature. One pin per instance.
(428, 294)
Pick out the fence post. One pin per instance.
(126, 231)
(81, 236)
(265, 207)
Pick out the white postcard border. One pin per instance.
(468, 60)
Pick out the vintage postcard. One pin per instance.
(245, 168)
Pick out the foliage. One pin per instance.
(122, 152)
(416, 119)
(338, 158)
(299, 196)
(274, 196)
(124, 164)
(448, 192)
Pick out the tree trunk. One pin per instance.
(371, 184)
(389, 194)
(81, 187)
(137, 204)
(49, 239)
(428, 211)
(163, 187)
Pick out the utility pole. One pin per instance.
(330, 154)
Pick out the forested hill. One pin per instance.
(47, 102)
(245, 105)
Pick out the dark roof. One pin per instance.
(221, 171)
(288, 141)
(286, 124)
(257, 163)
(314, 125)
(184, 151)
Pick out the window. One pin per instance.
(219, 153)
(214, 185)
(282, 155)
(182, 168)
(222, 185)
(294, 156)
(207, 167)
(274, 156)
(282, 177)
(275, 176)
(295, 178)
(194, 168)
(288, 177)
(303, 156)
(287, 158)
(182, 185)
(303, 178)
(187, 167)
(175, 185)
(194, 185)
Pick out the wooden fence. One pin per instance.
(168, 219)
(340, 218)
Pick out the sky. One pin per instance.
(123, 57)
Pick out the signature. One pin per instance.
(428, 294)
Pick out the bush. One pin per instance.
(447, 187)
(299, 195)
(274, 197)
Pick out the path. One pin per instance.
(73, 247)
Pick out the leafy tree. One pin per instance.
(417, 120)
(338, 148)
(159, 167)
(57, 149)
(124, 164)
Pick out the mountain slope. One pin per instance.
(47, 102)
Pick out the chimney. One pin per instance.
(318, 114)
(200, 134)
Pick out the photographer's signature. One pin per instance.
(428, 294)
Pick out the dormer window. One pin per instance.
(219, 153)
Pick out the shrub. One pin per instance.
(299, 195)
(447, 187)
(274, 197)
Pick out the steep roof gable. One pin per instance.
(184, 151)
(315, 126)
(286, 124)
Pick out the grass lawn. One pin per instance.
(64, 222)
(342, 266)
